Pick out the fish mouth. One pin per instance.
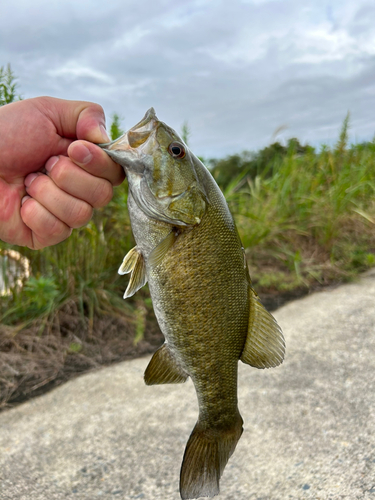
(131, 141)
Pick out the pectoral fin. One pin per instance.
(134, 262)
(164, 369)
(129, 261)
(265, 345)
(157, 255)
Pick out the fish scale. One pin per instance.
(189, 251)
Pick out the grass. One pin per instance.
(313, 220)
(306, 220)
(83, 269)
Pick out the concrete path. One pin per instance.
(309, 425)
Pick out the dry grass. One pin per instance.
(33, 360)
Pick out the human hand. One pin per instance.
(50, 181)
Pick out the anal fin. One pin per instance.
(265, 345)
(164, 369)
(134, 262)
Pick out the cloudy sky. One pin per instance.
(236, 70)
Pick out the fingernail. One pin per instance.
(25, 198)
(30, 179)
(51, 163)
(104, 133)
(80, 154)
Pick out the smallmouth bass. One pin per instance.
(189, 251)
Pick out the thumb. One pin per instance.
(79, 120)
(91, 124)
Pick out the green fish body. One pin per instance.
(189, 251)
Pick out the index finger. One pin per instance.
(96, 161)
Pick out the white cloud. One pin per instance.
(235, 70)
(72, 70)
(325, 44)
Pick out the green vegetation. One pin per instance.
(83, 268)
(8, 86)
(264, 162)
(185, 132)
(115, 129)
(306, 219)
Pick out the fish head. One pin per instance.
(160, 170)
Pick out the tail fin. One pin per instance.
(206, 455)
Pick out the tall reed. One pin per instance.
(313, 219)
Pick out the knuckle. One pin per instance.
(56, 228)
(59, 174)
(81, 214)
(47, 229)
(29, 212)
(98, 108)
(57, 233)
(103, 193)
(94, 107)
(38, 185)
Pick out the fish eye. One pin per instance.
(176, 150)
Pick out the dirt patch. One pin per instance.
(36, 359)
(33, 360)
